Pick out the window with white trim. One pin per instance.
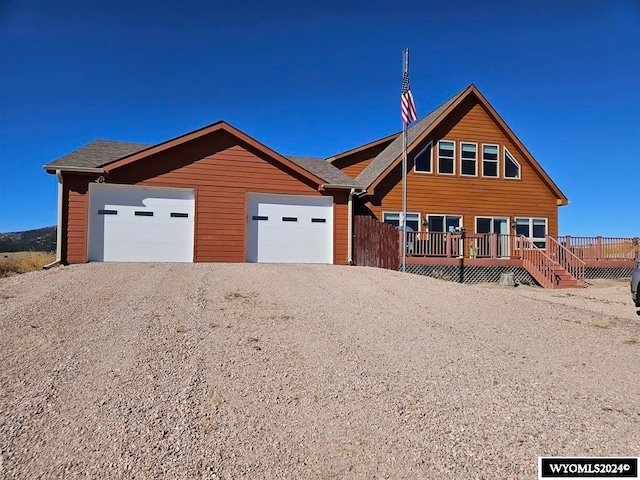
(444, 223)
(468, 159)
(489, 160)
(498, 225)
(422, 162)
(511, 165)
(497, 247)
(393, 218)
(534, 229)
(446, 157)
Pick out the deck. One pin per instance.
(562, 262)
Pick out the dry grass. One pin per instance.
(24, 262)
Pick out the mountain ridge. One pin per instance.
(39, 240)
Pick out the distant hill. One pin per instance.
(38, 240)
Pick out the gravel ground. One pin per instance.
(283, 371)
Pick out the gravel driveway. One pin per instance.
(283, 371)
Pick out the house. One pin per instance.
(476, 198)
(212, 195)
(466, 170)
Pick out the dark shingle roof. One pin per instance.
(323, 170)
(97, 154)
(101, 152)
(394, 150)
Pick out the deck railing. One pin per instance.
(462, 245)
(499, 246)
(570, 262)
(602, 248)
(538, 263)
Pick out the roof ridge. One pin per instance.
(385, 158)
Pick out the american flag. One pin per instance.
(407, 106)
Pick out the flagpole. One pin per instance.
(405, 69)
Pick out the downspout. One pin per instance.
(350, 227)
(59, 226)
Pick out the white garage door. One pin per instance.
(140, 224)
(289, 229)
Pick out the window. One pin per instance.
(260, 217)
(318, 220)
(107, 212)
(533, 228)
(468, 159)
(140, 213)
(444, 223)
(393, 218)
(179, 215)
(446, 157)
(423, 159)
(494, 246)
(511, 166)
(289, 219)
(492, 225)
(489, 160)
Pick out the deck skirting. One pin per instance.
(464, 273)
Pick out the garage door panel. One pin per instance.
(282, 229)
(140, 224)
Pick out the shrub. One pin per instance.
(25, 262)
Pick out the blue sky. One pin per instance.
(318, 80)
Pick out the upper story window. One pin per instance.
(423, 159)
(511, 165)
(468, 159)
(489, 160)
(446, 157)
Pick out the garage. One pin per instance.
(140, 224)
(289, 228)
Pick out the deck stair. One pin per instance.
(554, 267)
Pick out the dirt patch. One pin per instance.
(283, 371)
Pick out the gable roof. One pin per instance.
(104, 156)
(388, 138)
(392, 155)
(96, 154)
(321, 168)
(387, 157)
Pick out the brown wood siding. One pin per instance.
(469, 196)
(340, 228)
(74, 218)
(222, 171)
(353, 164)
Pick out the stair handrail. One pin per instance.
(567, 259)
(537, 263)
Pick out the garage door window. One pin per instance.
(107, 212)
(144, 214)
(179, 215)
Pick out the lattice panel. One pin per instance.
(607, 272)
(472, 273)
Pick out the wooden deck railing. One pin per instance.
(459, 245)
(538, 263)
(570, 262)
(498, 246)
(602, 248)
